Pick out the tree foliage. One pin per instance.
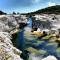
(2, 13)
(48, 10)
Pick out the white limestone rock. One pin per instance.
(50, 58)
(7, 51)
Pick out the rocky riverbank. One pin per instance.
(10, 24)
(8, 27)
(49, 22)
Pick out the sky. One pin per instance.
(25, 6)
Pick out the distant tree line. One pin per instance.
(48, 10)
(2, 13)
(14, 13)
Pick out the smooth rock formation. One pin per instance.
(50, 58)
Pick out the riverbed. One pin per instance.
(37, 48)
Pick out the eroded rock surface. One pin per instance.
(7, 50)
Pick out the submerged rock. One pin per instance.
(35, 57)
(8, 23)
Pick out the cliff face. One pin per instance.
(7, 50)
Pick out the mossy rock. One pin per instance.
(47, 37)
(59, 39)
(38, 43)
(54, 38)
(33, 50)
(29, 36)
(43, 52)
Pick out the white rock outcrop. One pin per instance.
(50, 58)
(7, 50)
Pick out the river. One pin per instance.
(40, 48)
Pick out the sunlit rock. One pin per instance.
(37, 33)
(45, 21)
(8, 25)
(7, 51)
(32, 56)
(50, 58)
(38, 30)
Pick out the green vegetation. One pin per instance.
(48, 10)
(47, 37)
(2, 13)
